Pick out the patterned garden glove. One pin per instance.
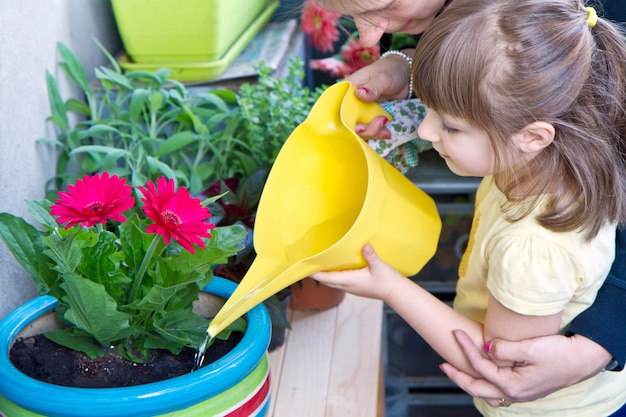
(404, 146)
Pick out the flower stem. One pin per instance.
(143, 268)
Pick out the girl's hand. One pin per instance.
(376, 280)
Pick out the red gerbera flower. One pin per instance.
(93, 200)
(320, 25)
(176, 215)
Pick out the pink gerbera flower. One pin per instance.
(333, 66)
(320, 25)
(176, 215)
(92, 200)
(358, 56)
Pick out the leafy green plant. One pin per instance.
(123, 285)
(273, 107)
(141, 125)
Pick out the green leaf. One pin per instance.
(62, 250)
(114, 77)
(276, 311)
(78, 340)
(138, 99)
(111, 152)
(98, 130)
(59, 112)
(134, 242)
(156, 101)
(40, 210)
(249, 191)
(101, 263)
(182, 327)
(228, 96)
(25, 244)
(158, 166)
(176, 142)
(225, 242)
(73, 67)
(112, 60)
(77, 106)
(92, 310)
(239, 325)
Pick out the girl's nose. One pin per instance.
(370, 31)
(427, 129)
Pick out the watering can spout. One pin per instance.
(266, 276)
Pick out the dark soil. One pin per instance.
(46, 361)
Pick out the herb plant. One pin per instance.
(273, 107)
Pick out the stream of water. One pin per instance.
(199, 357)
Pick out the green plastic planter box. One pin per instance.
(155, 31)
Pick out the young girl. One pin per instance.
(528, 94)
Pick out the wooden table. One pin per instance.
(330, 364)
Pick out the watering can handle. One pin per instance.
(353, 110)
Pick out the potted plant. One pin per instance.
(166, 31)
(308, 294)
(124, 288)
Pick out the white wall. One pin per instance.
(29, 32)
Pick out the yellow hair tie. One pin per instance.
(592, 16)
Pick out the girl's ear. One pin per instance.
(534, 137)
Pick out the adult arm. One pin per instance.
(546, 364)
(604, 322)
(543, 365)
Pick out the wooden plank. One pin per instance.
(303, 387)
(356, 362)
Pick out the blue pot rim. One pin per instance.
(135, 401)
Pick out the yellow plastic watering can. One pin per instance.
(326, 196)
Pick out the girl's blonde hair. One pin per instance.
(503, 64)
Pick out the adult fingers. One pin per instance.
(503, 350)
(478, 388)
(483, 366)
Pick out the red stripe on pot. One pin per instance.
(252, 404)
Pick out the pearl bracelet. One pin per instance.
(408, 59)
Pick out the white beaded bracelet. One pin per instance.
(408, 59)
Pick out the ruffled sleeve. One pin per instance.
(531, 275)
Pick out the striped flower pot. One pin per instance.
(236, 385)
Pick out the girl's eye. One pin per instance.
(448, 128)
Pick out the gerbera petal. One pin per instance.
(320, 25)
(176, 215)
(94, 199)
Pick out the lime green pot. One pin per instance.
(168, 31)
(236, 384)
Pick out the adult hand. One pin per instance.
(383, 80)
(543, 365)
